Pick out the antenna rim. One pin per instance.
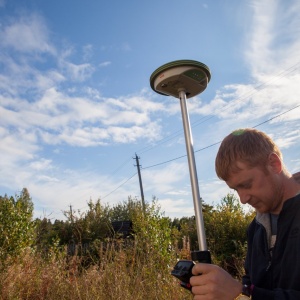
(178, 63)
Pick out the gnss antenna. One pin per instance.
(184, 79)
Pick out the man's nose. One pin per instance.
(244, 197)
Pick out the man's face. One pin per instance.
(259, 188)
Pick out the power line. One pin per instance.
(211, 145)
(120, 167)
(119, 186)
(112, 190)
(276, 116)
(225, 107)
(164, 162)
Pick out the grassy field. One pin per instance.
(137, 266)
(119, 274)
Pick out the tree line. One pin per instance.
(225, 226)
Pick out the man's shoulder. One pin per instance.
(252, 225)
(291, 205)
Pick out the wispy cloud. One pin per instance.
(29, 34)
(272, 54)
(79, 72)
(87, 52)
(273, 43)
(105, 64)
(126, 46)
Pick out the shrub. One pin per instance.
(226, 228)
(16, 226)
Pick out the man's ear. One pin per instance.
(275, 163)
(296, 176)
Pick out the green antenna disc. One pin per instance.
(188, 75)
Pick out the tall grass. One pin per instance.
(121, 273)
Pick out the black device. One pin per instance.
(183, 271)
(183, 268)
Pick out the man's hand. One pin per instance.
(213, 283)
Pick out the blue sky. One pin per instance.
(76, 103)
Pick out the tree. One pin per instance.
(226, 228)
(16, 225)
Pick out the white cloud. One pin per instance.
(105, 64)
(79, 72)
(59, 118)
(83, 137)
(16, 147)
(176, 207)
(162, 180)
(27, 35)
(272, 45)
(42, 164)
(141, 103)
(87, 52)
(49, 79)
(178, 192)
(133, 133)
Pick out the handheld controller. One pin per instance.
(183, 268)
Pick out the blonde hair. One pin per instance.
(247, 145)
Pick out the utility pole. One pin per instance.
(71, 215)
(140, 180)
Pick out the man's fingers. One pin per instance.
(201, 268)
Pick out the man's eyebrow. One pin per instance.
(242, 184)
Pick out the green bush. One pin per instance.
(226, 227)
(16, 226)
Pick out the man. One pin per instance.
(251, 163)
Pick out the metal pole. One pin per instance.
(193, 172)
